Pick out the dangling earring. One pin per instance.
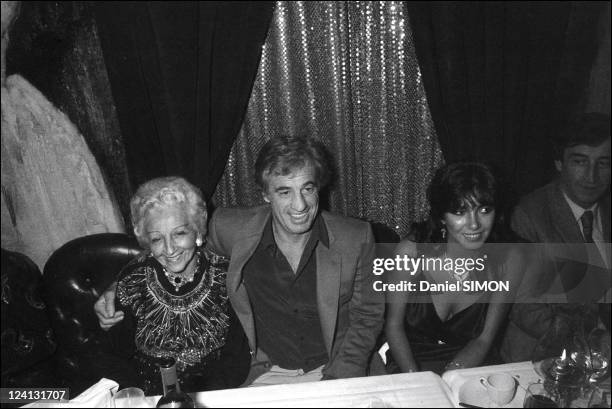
(443, 231)
(199, 241)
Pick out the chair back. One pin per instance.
(74, 277)
(27, 338)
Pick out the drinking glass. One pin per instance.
(537, 396)
(599, 345)
(129, 398)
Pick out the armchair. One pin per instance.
(74, 277)
(27, 338)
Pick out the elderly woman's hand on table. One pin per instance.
(105, 309)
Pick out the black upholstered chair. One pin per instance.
(74, 277)
(27, 338)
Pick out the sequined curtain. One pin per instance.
(347, 73)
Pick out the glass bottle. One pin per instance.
(173, 397)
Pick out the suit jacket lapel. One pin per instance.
(242, 251)
(563, 218)
(567, 231)
(329, 269)
(577, 288)
(604, 207)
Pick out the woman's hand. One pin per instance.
(473, 354)
(105, 309)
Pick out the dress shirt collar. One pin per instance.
(578, 211)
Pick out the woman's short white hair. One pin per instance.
(167, 191)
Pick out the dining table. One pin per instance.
(456, 388)
(417, 390)
(466, 388)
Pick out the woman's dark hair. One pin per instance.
(460, 184)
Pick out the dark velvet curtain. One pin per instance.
(501, 77)
(181, 75)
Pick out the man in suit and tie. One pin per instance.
(299, 279)
(572, 214)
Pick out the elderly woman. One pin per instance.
(436, 329)
(173, 296)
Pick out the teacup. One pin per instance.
(500, 388)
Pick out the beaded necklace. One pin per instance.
(180, 279)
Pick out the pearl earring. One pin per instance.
(199, 241)
(443, 231)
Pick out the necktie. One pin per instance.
(587, 226)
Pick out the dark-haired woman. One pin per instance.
(443, 322)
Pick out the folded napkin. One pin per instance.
(98, 395)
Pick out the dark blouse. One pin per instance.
(195, 325)
(435, 342)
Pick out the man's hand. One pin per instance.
(105, 309)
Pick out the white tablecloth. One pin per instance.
(420, 389)
(423, 389)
